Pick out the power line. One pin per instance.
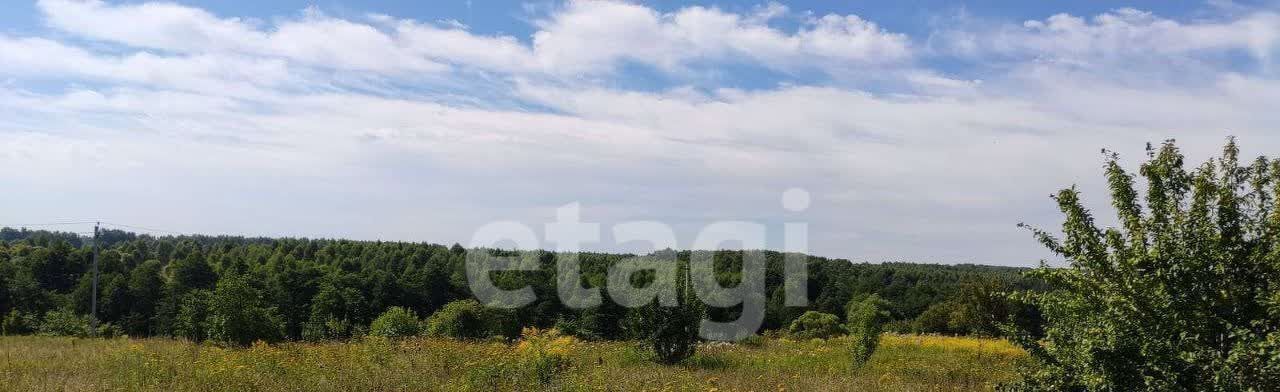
(69, 223)
(143, 228)
(46, 224)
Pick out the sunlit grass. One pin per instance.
(903, 363)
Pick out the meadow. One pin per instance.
(903, 363)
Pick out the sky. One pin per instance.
(917, 131)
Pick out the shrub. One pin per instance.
(594, 323)
(17, 323)
(815, 325)
(866, 319)
(671, 331)
(64, 322)
(193, 314)
(396, 322)
(545, 352)
(238, 315)
(576, 327)
(939, 318)
(330, 328)
(1181, 297)
(674, 332)
(468, 319)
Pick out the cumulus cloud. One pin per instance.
(388, 127)
(589, 37)
(314, 39)
(1123, 34)
(39, 58)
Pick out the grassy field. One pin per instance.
(903, 363)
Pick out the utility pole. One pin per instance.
(93, 302)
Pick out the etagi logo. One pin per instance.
(568, 233)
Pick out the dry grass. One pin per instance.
(904, 363)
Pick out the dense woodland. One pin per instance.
(304, 289)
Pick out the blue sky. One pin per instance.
(924, 131)
(506, 16)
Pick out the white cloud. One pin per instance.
(315, 125)
(40, 58)
(156, 25)
(314, 39)
(454, 44)
(589, 36)
(1123, 34)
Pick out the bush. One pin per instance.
(866, 319)
(396, 322)
(17, 323)
(816, 325)
(674, 332)
(1181, 297)
(330, 328)
(64, 322)
(238, 315)
(939, 318)
(671, 331)
(545, 352)
(468, 319)
(193, 316)
(576, 327)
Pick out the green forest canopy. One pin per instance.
(319, 288)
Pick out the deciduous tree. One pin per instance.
(1183, 296)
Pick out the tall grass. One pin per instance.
(903, 363)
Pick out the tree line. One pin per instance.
(230, 288)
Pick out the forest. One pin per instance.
(320, 289)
